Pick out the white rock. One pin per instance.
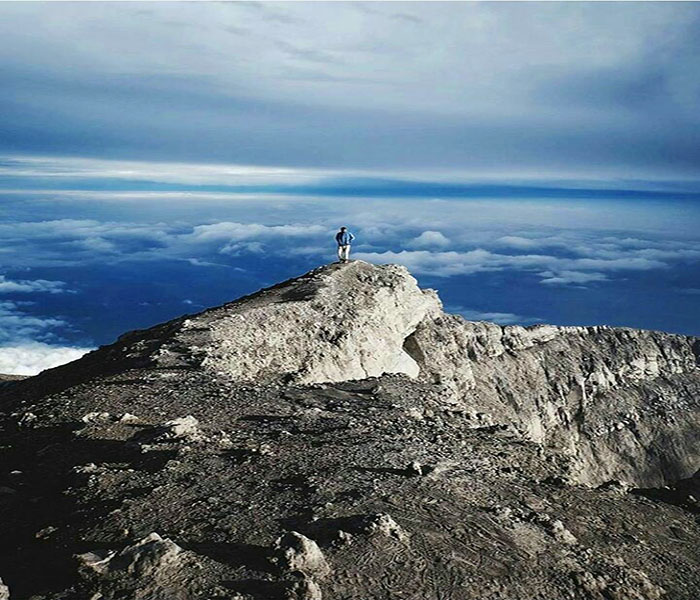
(184, 428)
(128, 419)
(384, 524)
(333, 324)
(97, 418)
(4, 591)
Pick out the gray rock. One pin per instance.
(296, 552)
(315, 458)
(129, 419)
(306, 589)
(184, 428)
(414, 468)
(98, 418)
(4, 591)
(607, 397)
(383, 524)
(145, 558)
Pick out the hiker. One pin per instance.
(344, 239)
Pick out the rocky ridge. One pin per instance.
(339, 436)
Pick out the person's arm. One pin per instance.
(352, 237)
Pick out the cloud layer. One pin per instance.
(32, 358)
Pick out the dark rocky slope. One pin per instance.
(338, 436)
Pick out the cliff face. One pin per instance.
(623, 403)
(339, 436)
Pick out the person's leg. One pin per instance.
(340, 253)
(347, 253)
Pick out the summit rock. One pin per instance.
(336, 323)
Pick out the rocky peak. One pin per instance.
(295, 442)
(335, 323)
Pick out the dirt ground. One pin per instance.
(393, 492)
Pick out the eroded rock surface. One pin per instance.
(296, 552)
(624, 403)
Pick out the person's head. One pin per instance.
(343, 229)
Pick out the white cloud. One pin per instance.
(447, 264)
(450, 244)
(23, 341)
(347, 54)
(571, 277)
(429, 239)
(530, 243)
(58, 168)
(33, 357)
(495, 317)
(15, 324)
(27, 286)
(236, 249)
(236, 232)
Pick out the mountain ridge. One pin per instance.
(339, 436)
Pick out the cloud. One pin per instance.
(32, 358)
(531, 243)
(429, 239)
(442, 238)
(8, 286)
(495, 317)
(237, 232)
(16, 324)
(60, 170)
(558, 269)
(355, 90)
(569, 277)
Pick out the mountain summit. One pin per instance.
(339, 436)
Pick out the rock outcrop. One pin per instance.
(149, 557)
(296, 552)
(335, 323)
(623, 403)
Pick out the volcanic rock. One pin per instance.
(296, 552)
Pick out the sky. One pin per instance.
(533, 162)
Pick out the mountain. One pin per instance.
(339, 436)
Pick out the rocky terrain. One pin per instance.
(338, 436)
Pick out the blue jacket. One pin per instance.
(344, 238)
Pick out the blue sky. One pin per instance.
(534, 162)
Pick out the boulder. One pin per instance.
(382, 524)
(296, 552)
(148, 557)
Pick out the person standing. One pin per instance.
(344, 239)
